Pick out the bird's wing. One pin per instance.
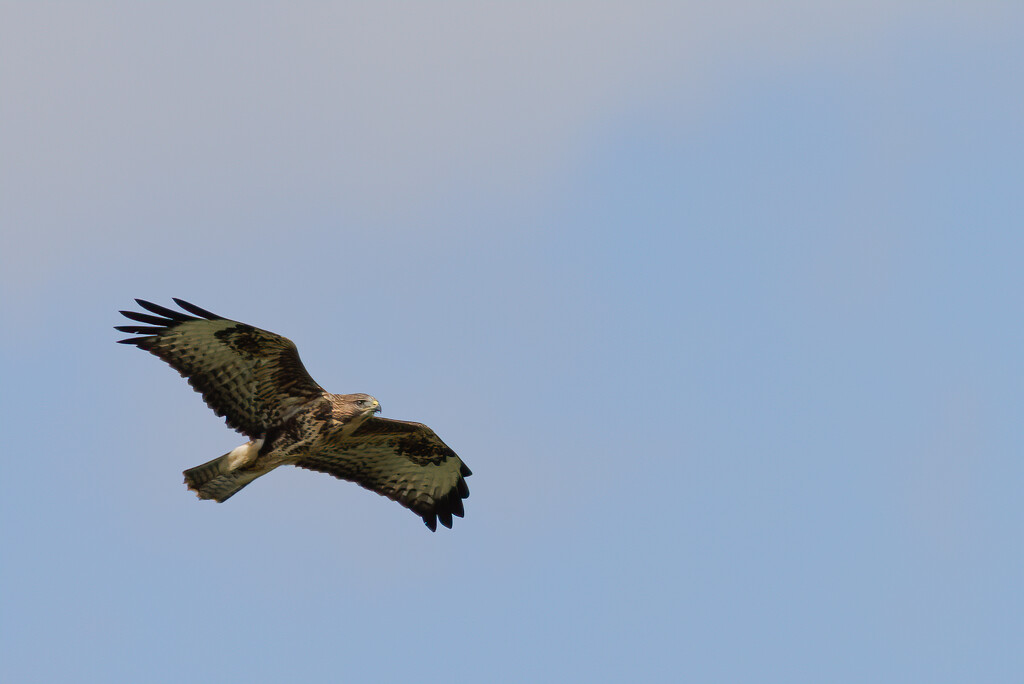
(405, 462)
(251, 377)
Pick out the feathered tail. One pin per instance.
(220, 478)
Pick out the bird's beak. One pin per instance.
(376, 406)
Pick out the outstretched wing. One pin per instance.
(405, 462)
(251, 377)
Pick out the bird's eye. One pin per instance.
(361, 403)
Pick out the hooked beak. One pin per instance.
(376, 407)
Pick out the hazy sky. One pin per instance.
(721, 302)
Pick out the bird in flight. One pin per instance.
(254, 380)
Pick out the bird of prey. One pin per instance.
(254, 380)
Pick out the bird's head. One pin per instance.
(366, 404)
(352, 410)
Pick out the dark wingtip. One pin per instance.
(146, 318)
(466, 472)
(457, 508)
(163, 311)
(430, 521)
(140, 329)
(446, 518)
(193, 309)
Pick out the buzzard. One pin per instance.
(256, 382)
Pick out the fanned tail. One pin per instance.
(214, 479)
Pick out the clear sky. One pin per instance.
(722, 303)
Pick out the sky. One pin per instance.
(721, 302)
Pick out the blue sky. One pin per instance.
(722, 305)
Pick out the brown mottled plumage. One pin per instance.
(255, 380)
